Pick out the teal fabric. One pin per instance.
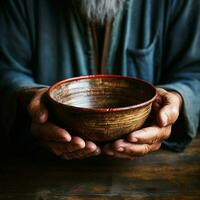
(42, 42)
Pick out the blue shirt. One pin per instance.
(42, 42)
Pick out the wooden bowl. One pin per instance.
(101, 107)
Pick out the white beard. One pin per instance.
(99, 10)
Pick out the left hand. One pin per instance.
(167, 108)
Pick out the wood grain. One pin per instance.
(161, 175)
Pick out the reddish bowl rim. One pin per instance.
(75, 108)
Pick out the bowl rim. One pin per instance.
(76, 108)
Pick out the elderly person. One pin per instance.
(42, 42)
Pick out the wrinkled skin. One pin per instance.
(52, 137)
(166, 107)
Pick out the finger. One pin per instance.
(118, 145)
(150, 135)
(89, 153)
(90, 146)
(59, 150)
(75, 144)
(65, 148)
(36, 108)
(50, 132)
(135, 150)
(90, 150)
(167, 115)
(171, 105)
(141, 149)
(108, 150)
(62, 148)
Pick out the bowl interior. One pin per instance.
(102, 92)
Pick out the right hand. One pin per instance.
(56, 139)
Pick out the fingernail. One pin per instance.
(68, 138)
(81, 145)
(133, 139)
(120, 149)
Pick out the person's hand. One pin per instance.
(167, 107)
(54, 138)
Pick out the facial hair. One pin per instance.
(99, 10)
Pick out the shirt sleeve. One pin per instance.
(16, 47)
(182, 69)
(16, 69)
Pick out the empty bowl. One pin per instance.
(101, 107)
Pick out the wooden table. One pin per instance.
(161, 175)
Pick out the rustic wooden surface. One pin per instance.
(161, 175)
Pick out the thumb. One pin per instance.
(37, 109)
(170, 107)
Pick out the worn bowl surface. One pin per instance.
(101, 107)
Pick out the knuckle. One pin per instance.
(145, 150)
(154, 140)
(174, 114)
(166, 132)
